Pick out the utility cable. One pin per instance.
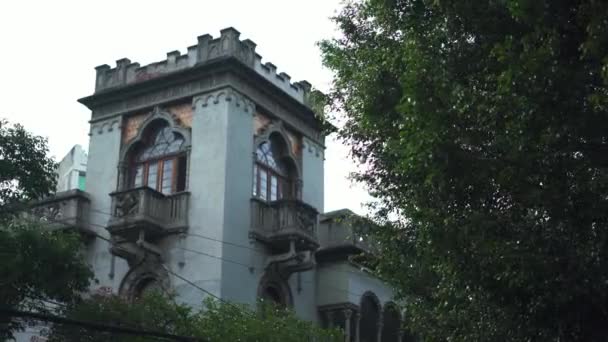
(95, 326)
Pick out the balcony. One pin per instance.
(343, 233)
(67, 210)
(145, 210)
(279, 222)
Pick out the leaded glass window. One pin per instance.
(161, 164)
(271, 178)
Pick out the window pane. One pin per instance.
(181, 174)
(255, 180)
(152, 175)
(166, 141)
(81, 182)
(167, 183)
(263, 184)
(274, 187)
(138, 176)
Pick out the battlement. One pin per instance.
(206, 49)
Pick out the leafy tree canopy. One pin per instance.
(483, 127)
(37, 265)
(216, 321)
(26, 172)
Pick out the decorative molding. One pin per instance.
(157, 114)
(273, 278)
(197, 82)
(227, 94)
(150, 268)
(107, 126)
(277, 127)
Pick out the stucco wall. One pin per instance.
(104, 149)
(312, 174)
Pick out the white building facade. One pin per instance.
(205, 171)
(72, 170)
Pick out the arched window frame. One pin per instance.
(127, 165)
(288, 182)
(377, 329)
(272, 280)
(389, 335)
(134, 283)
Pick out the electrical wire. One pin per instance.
(249, 267)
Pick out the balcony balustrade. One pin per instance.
(65, 210)
(279, 222)
(146, 210)
(344, 233)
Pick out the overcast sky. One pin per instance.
(49, 50)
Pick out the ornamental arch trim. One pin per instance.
(271, 279)
(277, 128)
(142, 275)
(158, 115)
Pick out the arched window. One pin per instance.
(273, 294)
(274, 290)
(392, 323)
(272, 174)
(160, 162)
(370, 317)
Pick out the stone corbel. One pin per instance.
(291, 262)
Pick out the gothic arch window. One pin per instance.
(391, 323)
(159, 160)
(145, 278)
(274, 290)
(274, 173)
(370, 318)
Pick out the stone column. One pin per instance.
(330, 319)
(379, 325)
(357, 327)
(347, 314)
(123, 177)
(400, 335)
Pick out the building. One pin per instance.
(205, 170)
(72, 170)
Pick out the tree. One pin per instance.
(481, 127)
(26, 172)
(216, 321)
(37, 265)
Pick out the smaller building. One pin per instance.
(72, 170)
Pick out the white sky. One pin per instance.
(49, 50)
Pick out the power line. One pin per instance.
(202, 289)
(95, 326)
(360, 273)
(249, 267)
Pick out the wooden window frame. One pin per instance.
(174, 158)
(283, 182)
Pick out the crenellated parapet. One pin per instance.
(206, 50)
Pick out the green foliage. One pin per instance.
(26, 173)
(38, 266)
(217, 321)
(482, 126)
